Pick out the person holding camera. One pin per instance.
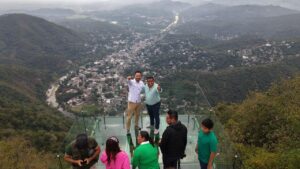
(173, 142)
(83, 153)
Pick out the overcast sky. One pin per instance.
(25, 4)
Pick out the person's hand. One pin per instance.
(129, 78)
(79, 162)
(159, 141)
(209, 166)
(158, 88)
(87, 160)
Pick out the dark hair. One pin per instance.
(147, 137)
(173, 114)
(81, 141)
(112, 148)
(150, 77)
(137, 72)
(208, 123)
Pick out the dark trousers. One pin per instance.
(171, 163)
(153, 111)
(203, 165)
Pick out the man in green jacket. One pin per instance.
(146, 154)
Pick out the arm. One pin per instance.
(185, 138)
(135, 159)
(129, 80)
(159, 89)
(211, 159)
(69, 159)
(164, 141)
(103, 157)
(69, 156)
(94, 156)
(143, 89)
(196, 148)
(213, 150)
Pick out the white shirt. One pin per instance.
(135, 89)
(145, 142)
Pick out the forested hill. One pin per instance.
(265, 127)
(36, 43)
(33, 52)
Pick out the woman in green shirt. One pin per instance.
(146, 154)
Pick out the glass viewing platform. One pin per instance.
(192, 106)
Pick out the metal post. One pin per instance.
(84, 123)
(234, 162)
(104, 120)
(194, 126)
(141, 119)
(123, 120)
(188, 118)
(60, 163)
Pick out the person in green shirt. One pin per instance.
(206, 145)
(82, 153)
(146, 154)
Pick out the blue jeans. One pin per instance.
(153, 111)
(203, 165)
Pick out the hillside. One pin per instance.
(217, 21)
(234, 13)
(233, 85)
(143, 18)
(37, 43)
(33, 53)
(266, 127)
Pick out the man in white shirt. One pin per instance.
(136, 86)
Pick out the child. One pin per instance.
(207, 144)
(113, 157)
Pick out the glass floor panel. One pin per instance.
(114, 126)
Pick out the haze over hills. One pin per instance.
(234, 13)
(227, 21)
(113, 4)
(143, 17)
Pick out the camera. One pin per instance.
(84, 162)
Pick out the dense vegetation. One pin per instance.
(28, 64)
(266, 126)
(233, 85)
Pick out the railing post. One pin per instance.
(85, 129)
(104, 120)
(141, 114)
(123, 120)
(234, 162)
(59, 161)
(194, 126)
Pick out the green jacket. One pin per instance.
(145, 156)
